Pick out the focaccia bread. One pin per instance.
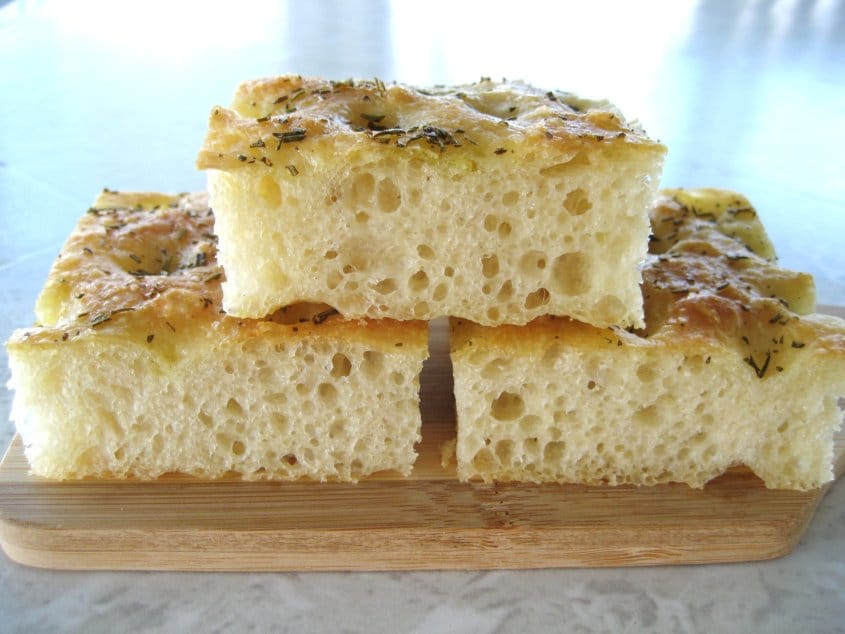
(730, 369)
(494, 201)
(133, 369)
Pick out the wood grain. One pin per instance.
(427, 521)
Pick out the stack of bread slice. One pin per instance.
(346, 216)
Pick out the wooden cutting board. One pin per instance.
(427, 521)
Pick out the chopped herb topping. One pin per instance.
(500, 150)
(743, 211)
(406, 141)
(705, 215)
(292, 169)
(779, 319)
(319, 318)
(759, 370)
(437, 136)
(297, 134)
(99, 318)
(150, 338)
(388, 132)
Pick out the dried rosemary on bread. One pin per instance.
(134, 370)
(493, 201)
(732, 367)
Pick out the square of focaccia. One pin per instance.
(494, 201)
(133, 369)
(731, 368)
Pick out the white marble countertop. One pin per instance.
(746, 95)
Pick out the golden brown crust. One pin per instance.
(272, 121)
(711, 281)
(143, 266)
(725, 372)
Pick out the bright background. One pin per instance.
(747, 95)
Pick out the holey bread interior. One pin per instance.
(134, 371)
(730, 369)
(494, 201)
